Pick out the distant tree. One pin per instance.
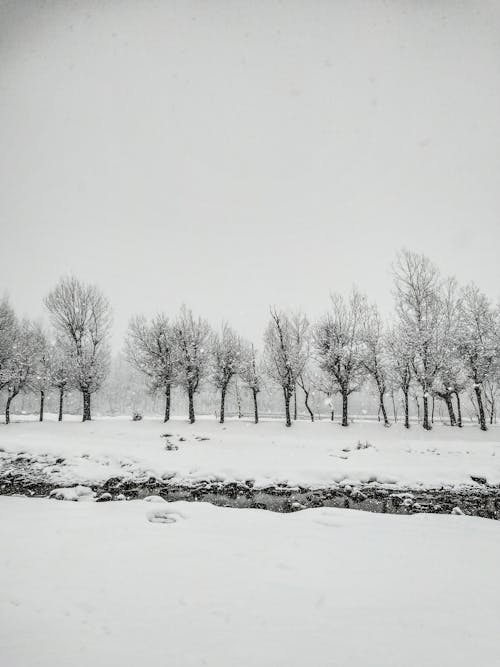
(323, 383)
(491, 389)
(339, 346)
(151, 349)
(60, 365)
(400, 356)
(21, 366)
(418, 306)
(285, 352)
(226, 357)
(192, 339)
(81, 315)
(477, 342)
(375, 357)
(251, 376)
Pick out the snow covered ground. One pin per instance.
(111, 584)
(318, 454)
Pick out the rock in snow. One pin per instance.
(74, 493)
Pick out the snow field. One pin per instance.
(310, 455)
(104, 584)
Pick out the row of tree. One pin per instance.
(74, 355)
(442, 342)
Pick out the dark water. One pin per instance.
(478, 499)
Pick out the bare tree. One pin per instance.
(82, 316)
(251, 376)
(477, 342)
(192, 338)
(418, 306)
(285, 352)
(8, 326)
(226, 352)
(375, 355)
(491, 390)
(42, 378)
(339, 346)
(305, 382)
(150, 348)
(60, 371)
(324, 384)
(20, 368)
(400, 365)
(450, 380)
(309, 374)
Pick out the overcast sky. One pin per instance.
(232, 155)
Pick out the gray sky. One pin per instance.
(235, 154)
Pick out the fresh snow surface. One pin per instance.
(190, 584)
(318, 454)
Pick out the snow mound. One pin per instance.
(154, 499)
(74, 493)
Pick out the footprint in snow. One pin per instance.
(163, 516)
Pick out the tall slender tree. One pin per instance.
(60, 371)
(251, 375)
(285, 352)
(226, 353)
(42, 379)
(375, 357)
(400, 366)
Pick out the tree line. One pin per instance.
(441, 342)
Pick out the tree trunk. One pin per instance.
(61, 400)
(191, 403)
(407, 409)
(86, 407)
(482, 420)
(255, 406)
(382, 407)
(222, 404)
(42, 401)
(426, 424)
(167, 402)
(287, 408)
(238, 399)
(345, 415)
(7, 409)
(306, 402)
(459, 410)
(432, 413)
(451, 412)
(295, 404)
